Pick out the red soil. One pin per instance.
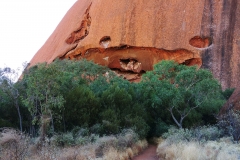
(148, 154)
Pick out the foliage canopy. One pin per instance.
(67, 94)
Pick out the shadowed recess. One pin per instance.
(131, 61)
(104, 41)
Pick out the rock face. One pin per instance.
(131, 36)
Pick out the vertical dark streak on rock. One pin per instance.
(211, 18)
(155, 20)
(123, 28)
(229, 11)
(231, 34)
(207, 31)
(124, 24)
(132, 25)
(218, 57)
(222, 38)
(156, 23)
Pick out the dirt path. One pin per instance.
(148, 154)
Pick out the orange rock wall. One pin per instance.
(160, 24)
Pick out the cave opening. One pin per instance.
(104, 41)
(131, 64)
(128, 75)
(192, 62)
(128, 60)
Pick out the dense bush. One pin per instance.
(228, 92)
(67, 94)
(187, 93)
(81, 107)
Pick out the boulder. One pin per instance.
(233, 102)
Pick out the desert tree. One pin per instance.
(181, 89)
(42, 95)
(10, 88)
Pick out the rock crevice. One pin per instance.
(82, 31)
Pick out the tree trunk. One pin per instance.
(19, 114)
(52, 121)
(45, 121)
(179, 124)
(64, 124)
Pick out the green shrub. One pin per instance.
(139, 125)
(161, 127)
(65, 139)
(82, 107)
(81, 140)
(78, 131)
(96, 128)
(175, 135)
(230, 124)
(126, 139)
(228, 92)
(110, 121)
(200, 134)
(78, 136)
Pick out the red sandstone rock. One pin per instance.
(133, 59)
(153, 30)
(232, 103)
(200, 42)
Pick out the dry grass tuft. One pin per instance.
(13, 144)
(157, 140)
(68, 154)
(193, 150)
(130, 153)
(111, 154)
(139, 147)
(115, 154)
(124, 146)
(9, 136)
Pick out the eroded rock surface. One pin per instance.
(130, 61)
(82, 31)
(208, 30)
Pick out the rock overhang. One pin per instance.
(131, 61)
